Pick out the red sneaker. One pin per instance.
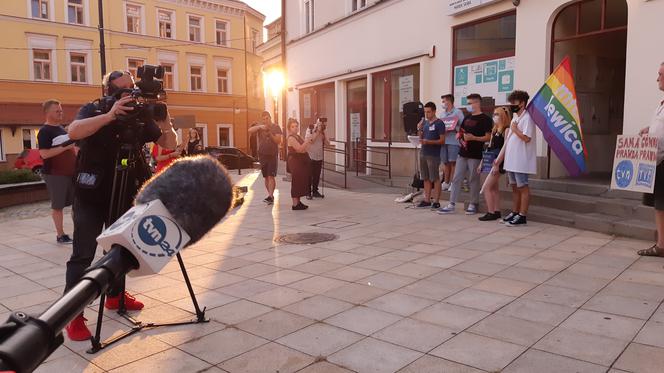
(131, 304)
(77, 330)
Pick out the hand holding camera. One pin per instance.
(120, 108)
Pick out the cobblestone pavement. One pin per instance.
(399, 290)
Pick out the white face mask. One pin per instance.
(444, 106)
(496, 119)
(469, 108)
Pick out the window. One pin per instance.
(132, 66)
(28, 139)
(222, 32)
(224, 135)
(488, 39)
(165, 19)
(222, 80)
(40, 9)
(41, 62)
(358, 4)
(308, 16)
(195, 27)
(169, 84)
(134, 18)
(392, 89)
(254, 40)
(75, 12)
(196, 78)
(78, 68)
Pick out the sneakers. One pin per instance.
(423, 204)
(472, 209)
(300, 206)
(490, 216)
(435, 206)
(449, 209)
(269, 200)
(64, 240)
(131, 304)
(445, 187)
(77, 330)
(518, 220)
(509, 217)
(317, 195)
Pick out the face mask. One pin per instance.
(515, 108)
(496, 119)
(445, 107)
(470, 108)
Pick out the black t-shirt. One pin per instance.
(95, 167)
(62, 164)
(477, 125)
(267, 147)
(191, 146)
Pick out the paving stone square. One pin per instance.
(382, 297)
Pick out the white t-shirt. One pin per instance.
(657, 130)
(521, 156)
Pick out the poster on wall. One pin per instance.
(635, 163)
(355, 124)
(405, 90)
(494, 78)
(307, 105)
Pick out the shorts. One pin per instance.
(429, 168)
(60, 190)
(449, 153)
(518, 178)
(269, 165)
(656, 199)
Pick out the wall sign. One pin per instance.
(494, 78)
(355, 124)
(455, 7)
(405, 90)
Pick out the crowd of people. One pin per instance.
(462, 147)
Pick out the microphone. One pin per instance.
(187, 199)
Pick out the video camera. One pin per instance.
(149, 90)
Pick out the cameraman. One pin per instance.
(99, 138)
(316, 135)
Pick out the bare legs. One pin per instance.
(270, 185)
(491, 193)
(58, 221)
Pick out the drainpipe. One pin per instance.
(284, 105)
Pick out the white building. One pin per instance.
(357, 61)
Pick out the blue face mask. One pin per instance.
(469, 108)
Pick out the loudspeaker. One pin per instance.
(412, 113)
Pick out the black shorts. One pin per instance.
(60, 190)
(269, 165)
(656, 199)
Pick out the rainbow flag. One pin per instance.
(554, 109)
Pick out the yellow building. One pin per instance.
(50, 49)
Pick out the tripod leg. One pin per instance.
(200, 314)
(96, 339)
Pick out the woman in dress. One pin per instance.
(501, 124)
(164, 157)
(194, 140)
(298, 164)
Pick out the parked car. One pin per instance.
(31, 160)
(232, 158)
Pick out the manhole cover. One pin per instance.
(306, 238)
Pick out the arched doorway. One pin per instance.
(593, 33)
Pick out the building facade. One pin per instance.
(50, 49)
(272, 62)
(358, 61)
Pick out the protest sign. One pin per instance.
(635, 163)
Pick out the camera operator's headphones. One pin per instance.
(109, 88)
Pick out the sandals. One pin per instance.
(652, 251)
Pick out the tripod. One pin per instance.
(125, 173)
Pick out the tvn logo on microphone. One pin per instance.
(158, 236)
(150, 233)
